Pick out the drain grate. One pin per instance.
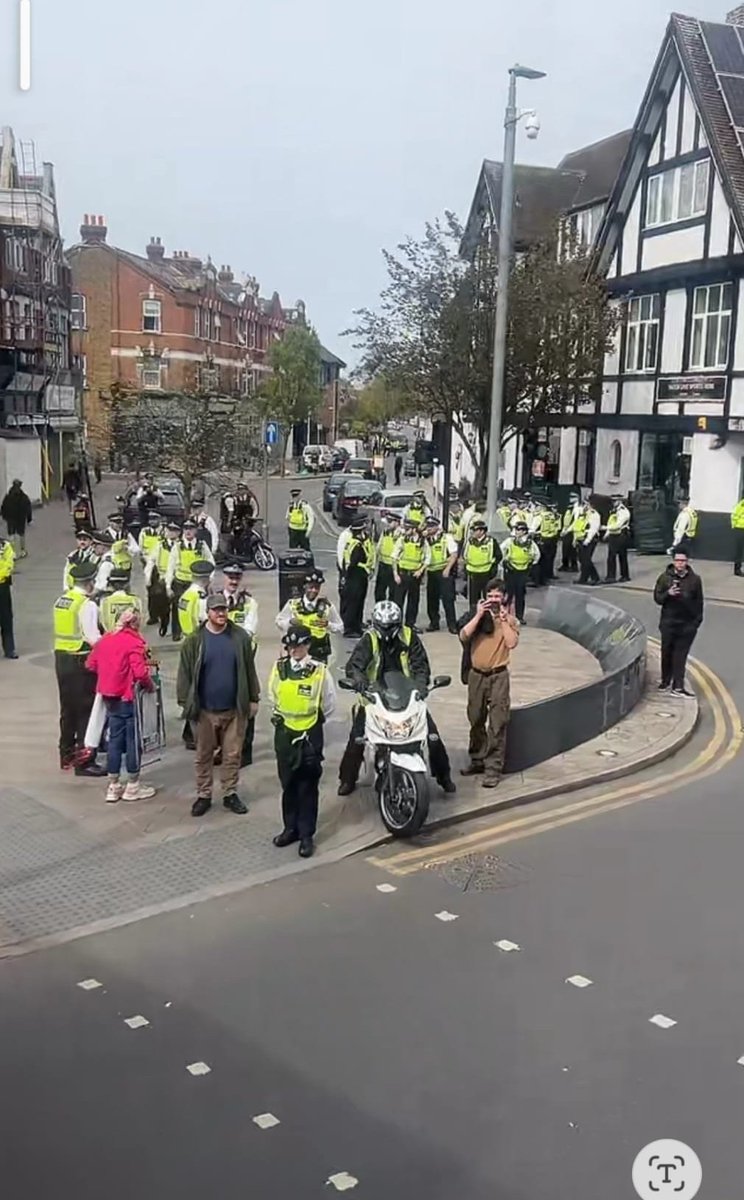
(480, 873)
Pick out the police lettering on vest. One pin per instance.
(411, 557)
(189, 609)
(113, 606)
(187, 556)
(298, 695)
(68, 633)
(439, 554)
(479, 556)
(315, 621)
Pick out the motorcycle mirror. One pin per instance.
(441, 681)
(346, 685)
(119, 499)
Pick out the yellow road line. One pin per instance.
(719, 698)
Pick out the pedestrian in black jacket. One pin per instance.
(679, 592)
(17, 513)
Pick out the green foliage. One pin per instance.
(292, 392)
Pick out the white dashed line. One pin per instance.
(343, 1181)
(662, 1021)
(740, 1061)
(506, 946)
(89, 984)
(266, 1121)
(445, 916)
(137, 1022)
(167, 1004)
(579, 981)
(386, 888)
(198, 1068)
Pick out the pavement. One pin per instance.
(719, 581)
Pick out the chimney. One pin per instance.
(736, 16)
(155, 251)
(225, 275)
(93, 230)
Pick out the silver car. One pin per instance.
(380, 502)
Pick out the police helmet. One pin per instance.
(387, 619)
(521, 527)
(315, 579)
(297, 635)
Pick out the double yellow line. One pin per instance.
(724, 743)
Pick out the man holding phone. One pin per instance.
(679, 593)
(488, 634)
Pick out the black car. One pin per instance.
(339, 457)
(330, 489)
(353, 492)
(172, 506)
(413, 469)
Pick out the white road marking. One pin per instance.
(89, 984)
(386, 888)
(579, 981)
(167, 1004)
(741, 1061)
(198, 1068)
(137, 1022)
(343, 1181)
(266, 1121)
(662, 1021)
(506, 946)
(445, 916)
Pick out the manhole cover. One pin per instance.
(480, 872)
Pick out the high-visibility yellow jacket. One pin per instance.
(297, 695)
(113, 605)
(479, 557)
(7, 560)
(68, 633)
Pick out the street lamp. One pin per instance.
(532, 127)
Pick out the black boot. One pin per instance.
(345, 789)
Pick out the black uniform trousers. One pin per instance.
(738, 549)
(299, 539)
(545, 568)
(676, 641)
(353, 755)
(477, 581)
(352, 598)
(569, 561)
(617, 553)
(77, 691)
(408, 595)
(385, 582)
(588, 573)
(440, 589)
(178, 587)
(6, 618)
(158, 605)
(515, 588)
(300, 766)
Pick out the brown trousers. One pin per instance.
(488, 714)
(214, 730)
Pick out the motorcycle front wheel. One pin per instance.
(264, 558)
(403, 797)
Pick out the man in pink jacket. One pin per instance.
(120, 662)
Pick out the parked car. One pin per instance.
(412, 468)
(381, 502)
(317, 458)
(367, 468)
(172, 507)
(352, 493)
(330, 489)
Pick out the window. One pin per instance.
(642, 342)
(78, 316)
(616, 460)
(677, 194)
(217, 327)
(206, 324)
(583, 226)
(151, 316)
(151, 377)
(711, 326)
(80, 364)
(197, 322)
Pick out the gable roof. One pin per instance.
(683, 48)
(598, 164)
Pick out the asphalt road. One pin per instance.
(397, 1048)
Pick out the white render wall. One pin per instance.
(677, 246)
(674, 331)
(568, 455)
(605, 483)
(716, 474)
(719, 221)
(20, 458)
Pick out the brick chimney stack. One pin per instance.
(225, 275)
(93, 230)
(736, 16)
(156, 250)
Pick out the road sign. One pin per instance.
(272, 433)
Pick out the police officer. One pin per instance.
(192, 603)
(82, 553)
(187, 550)
(387, 541)
(75, 632)
(387, 646)
(685, 528)
(103, 549)
(586, 534)
(206, 524)
(475, 511)
(411, 557)
(357, 564)
(117, 601)
(303, 697)
(480, 556)
(315, 613)
(455, 523)
(149, 539)
(242, 608)
(440, 583)
(520, 552)
(737, 524)
(300, 521)
(618, 536)
(124, 549)
(569, 560)
(7, 563)
(156, 568)
(418, 510)
(549, 529)
(81, 512)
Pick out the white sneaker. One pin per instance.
(113, 792)
(138, 791)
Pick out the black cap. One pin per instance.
(153, 515)
(115, 516)
(521, 525)
(478, 525)
(201, 568)
(216, 600)
(87, 533)
(103, 538)
(83, 572)
(295, 491)
(233, 571)
(315, 577)
(432, 520)
(189, 523)
(358, 524)
(297, 635)
(174, 525)
(197, 504)
(119, 575)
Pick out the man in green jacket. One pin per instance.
(219, 691)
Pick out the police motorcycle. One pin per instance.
(246, 543)
(396, 759)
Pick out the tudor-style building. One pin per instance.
(671, 415)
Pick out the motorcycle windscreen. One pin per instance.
(397, 690)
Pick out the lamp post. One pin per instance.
(511, 117)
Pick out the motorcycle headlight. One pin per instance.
(397, 731)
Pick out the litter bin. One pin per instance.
(293, 567)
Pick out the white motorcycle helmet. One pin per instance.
(387, 619)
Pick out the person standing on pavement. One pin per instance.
(156, 568)
(124, 548)
(17, 513)
(149, 540)
(119, 661)
(302, 697)
(417, 511)
(192, 604)
(218, 690)
(550, 528)
(569, 560)
(586, 535)
(300, 521)
(480, 555)
(242, 607)
(488, 634)
(398, 467)
(411, 557)
(314, 613)
(7, 563)
(679, 593)
(618, 537)
(75, 634)
(102, 544)
(72, 483)
(186, 550)
(357, 565)
(685, 529)
(737, 524)
(386, 543)
(520, 553)
(440, 583)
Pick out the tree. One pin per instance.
(292, 392)
(372, 406)
(432, 337)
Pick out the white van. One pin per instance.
(316, 458)
(353, 445)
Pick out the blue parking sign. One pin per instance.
(272, 433)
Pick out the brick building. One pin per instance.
(154, 322)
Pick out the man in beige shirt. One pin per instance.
(488, 634)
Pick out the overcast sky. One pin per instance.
(295, 138)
